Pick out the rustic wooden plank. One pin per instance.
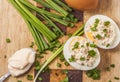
(12, 26)
(110, 8)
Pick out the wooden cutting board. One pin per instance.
(13, 26)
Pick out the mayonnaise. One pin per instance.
(21, 61)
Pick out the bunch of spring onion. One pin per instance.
(79, 32)
(44, 35)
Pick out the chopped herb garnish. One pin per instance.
(61, 58)
(82, 46)
(117, 78)
(65, 80)
(93, 45)
(106, 23)
(94, 74)
(64, 71)
(91, 53)
(105, 35)
(66, 63)
(37, 65)
(107, 68)
(97, 20)
(82, 58)
(98, 36)
(59, 65)
(107, 45)
(76, 45)
(87, 44)
(32, 44)
(69, 35)
(19, 81)
(109, 81)
(72, 59)
(29, 77)
(40, 78)
(105, 30)
(8, 40)
(112, 65)
(93, 29)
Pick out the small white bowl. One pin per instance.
(67, 55)
(116, 42)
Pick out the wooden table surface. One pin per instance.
(13, 26)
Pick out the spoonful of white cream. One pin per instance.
(20, 62)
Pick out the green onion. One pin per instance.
(105, 30)
(112, 65)
(97, 20)
(72, 59)
(106, 23)
(82, 58)
(116, 78)
(93, 45)
(98, 36)
(19, 81)
(57, 7)
(8, 40)
(40, 78)
(29, 77)
(107, 68)
(55, 54)
(91, 53)
(76, 45)
(59, 65)
(94, 74)
(65, 80)
(63, 5)
(66, 63)
(107, 45)
(93, 29)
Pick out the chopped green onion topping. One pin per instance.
(106, 23)
(8, 40)
(76, 45)
(66, 63)
(82, 58)
(40, 78)
(29, 77)
(32, 44)
(94, 74)
(82, 46)
(65, 80)
(112, 65)
(61, 58)
(98, 36)
(92, 53)
(97, 20)
(105, 30)
(19, 81)
(93, 45)
(107, 45)
(109, 81)
(87, 44)
(59, 65)
(107, 68)
(117, 78)
(93, 28)
(64, 71)
(72, 59)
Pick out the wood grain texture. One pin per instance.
(110, 8)
(12, 26)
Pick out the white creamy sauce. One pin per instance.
(21, 61)
(105, 36)
(82, 59)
